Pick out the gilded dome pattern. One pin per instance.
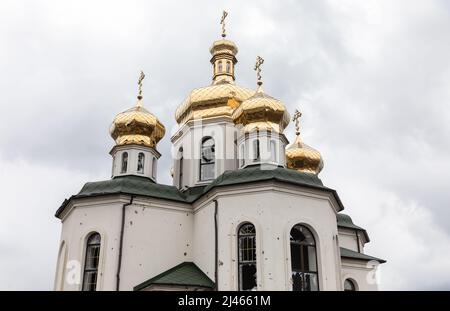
(262, 112)
(212, 101)
(137, 126)
(303, 158)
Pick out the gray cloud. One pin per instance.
(371, 78)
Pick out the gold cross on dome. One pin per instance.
(259, 62)
(141, 77)
(296, 119)
(222, 22)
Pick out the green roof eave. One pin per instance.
(184, 274)
(256, 174)
(348, 253)
(142, 186)
(129, 185)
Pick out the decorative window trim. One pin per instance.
(96, 269)
(306, 272)
(124, 162)
(140, 169)
(203, 162)
(243, 239)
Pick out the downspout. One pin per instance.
(122, 227)
(216, 246)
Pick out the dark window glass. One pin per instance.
(124, 162)
(256, 150)
(91, 262)
(207, 159)
(247, 257)
(228, 67)
(303, 259)
(140, 164)
(349, 286)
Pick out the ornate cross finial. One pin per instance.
(222, 21)
(141, 77)
(259, 62)
(296, 119)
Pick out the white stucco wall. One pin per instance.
(85, 217)
(362, 274)
(157, 236)
(274, 210)
(190, 136)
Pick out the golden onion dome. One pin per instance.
(137, 125)
(261, 112)
(212, 101)
(300, 156)
(223, 95)
(223, 46)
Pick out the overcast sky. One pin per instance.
(371, 77)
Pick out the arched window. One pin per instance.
(207, 159)
(124, 163)
(242, 156)
(91, 262)
(219, 66)
(154, 168)
(228, 67)
(247, 257)
(349, 285)
(273, 151)
(140, 163)
(256, 150)
(303, 259)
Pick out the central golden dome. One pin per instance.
(223, 95)
(212, 101)
(137, 126)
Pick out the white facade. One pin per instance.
(235, 215)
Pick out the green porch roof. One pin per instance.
(348, 253)
(185, 274)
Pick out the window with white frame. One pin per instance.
(124, 164)
(207, 159)
(303, 259)
(247, 257)
(91, 262)
(140, 163)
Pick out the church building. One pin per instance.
(246, 210)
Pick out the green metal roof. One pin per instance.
(142, 186)
(255, 173)
(345, 221)
(185, 274)
(348, 253)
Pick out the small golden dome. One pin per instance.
(262, 112)
(300, 156)
(137, 126)
(303, 158)
(223, 46)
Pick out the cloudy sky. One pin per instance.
(371, 77)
